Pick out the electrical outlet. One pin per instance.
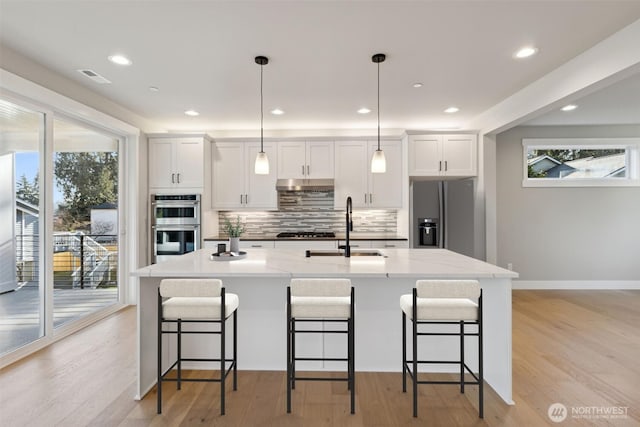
(510, 266)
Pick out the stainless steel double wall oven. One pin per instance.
(175, 225)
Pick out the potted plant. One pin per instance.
(234, 230)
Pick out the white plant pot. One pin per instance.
(234, 244)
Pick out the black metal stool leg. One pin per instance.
(404, 352)
(415, 354)
(179, 354)
(480, 360)
(235, 350)
(461, 356)
(223, 328)
(159, 381)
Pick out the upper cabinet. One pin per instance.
(235, 184)
(443, 155)
(305, 159)
(176, 163)
(353, 175)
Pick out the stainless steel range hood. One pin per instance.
(304, 184)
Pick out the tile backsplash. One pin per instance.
(268, 223)
(309, 211)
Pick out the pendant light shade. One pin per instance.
(378, 162)
(262, 161)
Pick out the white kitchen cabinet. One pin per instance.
(353, 175)
(176, 163)
(376, 244)
(305, 159)
(235, 184)
(443, 155)
(302, 245)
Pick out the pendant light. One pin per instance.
(378, 161)
(262, 161)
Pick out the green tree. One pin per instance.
(85, 179)
(28, 191)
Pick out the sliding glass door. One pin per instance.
(22, 287)
(85, 221)
(58, 229)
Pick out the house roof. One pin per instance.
(27, 207)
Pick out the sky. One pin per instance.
(27, 165)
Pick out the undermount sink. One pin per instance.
(331, 252)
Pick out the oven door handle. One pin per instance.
(175, 227)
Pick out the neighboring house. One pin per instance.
(104, 221)
(542, 163)
(613, 166)
(27, 231)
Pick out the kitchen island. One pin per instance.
(260, 281)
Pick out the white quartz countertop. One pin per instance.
(287, 263)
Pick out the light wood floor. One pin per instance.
(579, 348)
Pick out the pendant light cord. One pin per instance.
(261, 113)
(378, 106)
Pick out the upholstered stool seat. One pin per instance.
(198, 308)
(328, 301)
(438, 302)
(196, 301)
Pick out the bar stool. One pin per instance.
(442, 302)
(196, 301)
(326, 300)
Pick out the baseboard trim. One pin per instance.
(576, 284)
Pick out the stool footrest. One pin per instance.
(320, 379)
(320, 359)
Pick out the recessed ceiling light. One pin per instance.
(277, 112)
(154, 89)
(416, 85)
(452, 110)
(364, 110)
(192, 113)
(526, 52)
(569, 107)
(120, 60)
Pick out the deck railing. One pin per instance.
(80, 260)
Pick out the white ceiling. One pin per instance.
(200, 54)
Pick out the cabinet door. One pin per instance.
(459, 155)
(161, 164)
(351, 162)
(303, 245)
(291, 160)
(425, 155)
(320, 158)
(260, 190)
(385, 189)
(228, 175)
(189, 163)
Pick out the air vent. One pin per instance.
(94, 76)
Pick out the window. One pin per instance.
(580, 162)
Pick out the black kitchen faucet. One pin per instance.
(347, 246)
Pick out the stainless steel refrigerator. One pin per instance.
(448, 208)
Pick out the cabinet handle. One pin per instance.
(308, 173)
(370, 197)
(439, 165)
(302, 170)
(241, 199)
(246, 199)
(178, 176)
(256, 246)
(173, 178)
(446, 166)
(389, 246)
(365, 198)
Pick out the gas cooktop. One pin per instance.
(306, 235)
